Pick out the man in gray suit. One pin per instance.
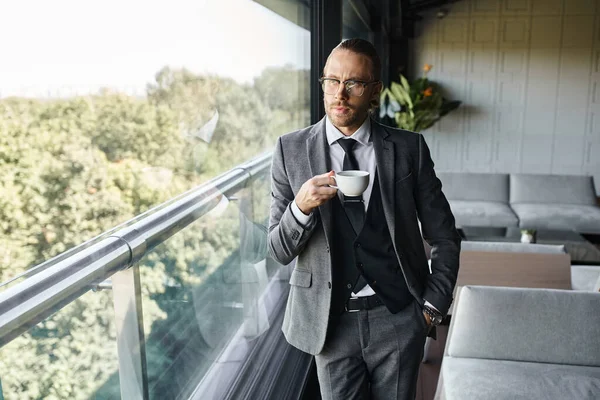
(363, 297)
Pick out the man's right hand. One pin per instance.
(315, 192)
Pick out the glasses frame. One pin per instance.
(364, 84)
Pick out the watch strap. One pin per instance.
(436, 317)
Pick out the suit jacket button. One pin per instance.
(349, 286)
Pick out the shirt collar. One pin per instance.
(362, 135)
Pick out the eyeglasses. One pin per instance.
(353, 88)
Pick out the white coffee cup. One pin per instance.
(351, 183)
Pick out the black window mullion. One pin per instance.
(326, 33)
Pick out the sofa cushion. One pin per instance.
(482, 213)
(476, 379)
(531, 325)
(557, 189)
(474, 186)
(580, 218)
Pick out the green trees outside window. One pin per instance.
(73, 168)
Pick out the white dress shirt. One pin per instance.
(365, 156)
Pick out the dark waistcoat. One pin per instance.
(369, 252)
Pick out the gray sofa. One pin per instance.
(560, 202)
(514, 343)
(528, 201)
(479, 199)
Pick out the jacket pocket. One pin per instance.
(301, 278)
(403, 178)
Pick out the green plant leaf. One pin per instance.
(401, 95)
(404, 82)
(385, 93)
(397, 90)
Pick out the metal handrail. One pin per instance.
(30, 301)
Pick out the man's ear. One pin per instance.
(376, 94)
(379, 87)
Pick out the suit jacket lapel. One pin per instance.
(386, 160)
(317, 150)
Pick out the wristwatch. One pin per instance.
(434, 315)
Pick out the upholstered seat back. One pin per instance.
(475, 186)
(554, 189)
(530, 325)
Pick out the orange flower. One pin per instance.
(427, 67)
(428, 92)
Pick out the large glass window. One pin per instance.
(110, 108)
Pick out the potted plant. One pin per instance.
(528, 236)
(415, 106)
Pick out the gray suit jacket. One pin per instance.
(409, 188)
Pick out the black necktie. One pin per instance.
(354, 206)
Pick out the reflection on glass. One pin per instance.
(355, 21)
(204, 297)
(71, 355)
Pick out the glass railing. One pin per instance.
(203, 297)
(170, 306)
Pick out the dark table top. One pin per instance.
(579, 248)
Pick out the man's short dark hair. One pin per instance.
(361, 46)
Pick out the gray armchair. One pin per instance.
(514, 343)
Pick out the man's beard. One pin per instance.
(350, 119)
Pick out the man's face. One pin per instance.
(346, 112)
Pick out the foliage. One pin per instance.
(417, 106)
(73, 168)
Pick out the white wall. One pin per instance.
(528, 73)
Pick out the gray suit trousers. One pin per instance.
(373, 354)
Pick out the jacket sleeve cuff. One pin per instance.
(293, 228)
